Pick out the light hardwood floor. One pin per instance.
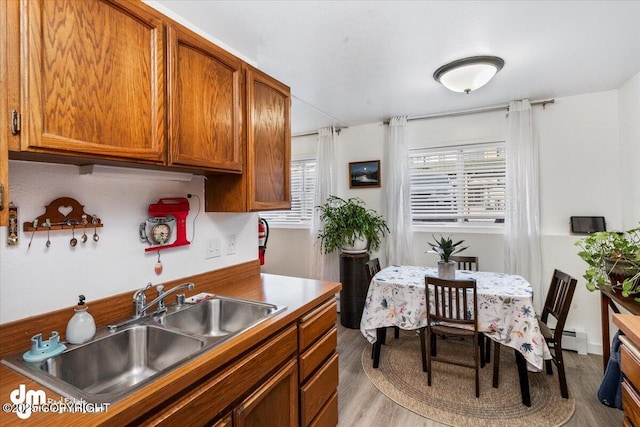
(361, 404)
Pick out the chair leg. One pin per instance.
(423, 350)
(564, 392)
(496, 364)
(432, 342)
(396, 332)
(481, 339)
(548, 364)
(524, 378)
(431, 339)
(487, 349)
(478, 353)
(380, 333)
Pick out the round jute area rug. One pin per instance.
(451, 397)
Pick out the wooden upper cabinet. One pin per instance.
(93, 79)
(205, 103)
(265, 180)
(268, 142)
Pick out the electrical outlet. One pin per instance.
(213, 248)
(231, 244)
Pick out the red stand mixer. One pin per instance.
(166, 214)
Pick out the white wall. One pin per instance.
(629, 105)
(580, 152)
(40, 279)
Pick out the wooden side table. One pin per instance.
(609, 298)
(354, 288)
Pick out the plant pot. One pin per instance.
(619, 270)
(359, 247)
(447, 270)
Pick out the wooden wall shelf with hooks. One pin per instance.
(74, 217)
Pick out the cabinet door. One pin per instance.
(268, 142)
(205, 103)
(226, 421)
(9, 99)
(274, 404)
(93, 79)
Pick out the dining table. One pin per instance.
(396, 297)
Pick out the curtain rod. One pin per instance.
(543, 102)
(337, 130)
(473, 111)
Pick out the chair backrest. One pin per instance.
(371, 268)
(465, 262)
(558, 300)
(448, 301)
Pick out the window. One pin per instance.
(303, 175)
(462, 184)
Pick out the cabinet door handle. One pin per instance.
(15, 122)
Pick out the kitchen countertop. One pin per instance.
(299, 295)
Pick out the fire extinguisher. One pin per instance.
(263, 236)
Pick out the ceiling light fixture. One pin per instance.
(467, 74)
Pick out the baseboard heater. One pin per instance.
(575, 340)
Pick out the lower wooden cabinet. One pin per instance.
(290, 379)
(630, 364)
(274, 404)
(316, 392)
(328, 415)
(226, 421)
(318, 364)
(205, 402)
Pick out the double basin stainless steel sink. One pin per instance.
(115, 364)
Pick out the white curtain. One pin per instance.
(522, 216)
(396, 202)
(323, 266)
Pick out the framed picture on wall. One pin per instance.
(364, 174)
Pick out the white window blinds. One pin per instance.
(458, 184)
(303, 174)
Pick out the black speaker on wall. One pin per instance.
(587, 224)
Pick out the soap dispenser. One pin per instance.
(81, 327)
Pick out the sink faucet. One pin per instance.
(139, 298)
(140, 305)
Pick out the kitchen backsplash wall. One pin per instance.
(38, 279)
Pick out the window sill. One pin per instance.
(456, 228)
(291, 226)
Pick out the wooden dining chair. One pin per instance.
(451, 316)
(556, 305)
(371, 268)
(471, 263)
(465, 262)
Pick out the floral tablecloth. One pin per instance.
(505, 307)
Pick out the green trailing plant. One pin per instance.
(344, 221)
(445, 247)
(612, 257)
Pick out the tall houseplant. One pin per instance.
(613, 259)
(346, 221)
(445, 248)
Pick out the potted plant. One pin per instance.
(445, 248)
(350, 226)
(613, 259)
